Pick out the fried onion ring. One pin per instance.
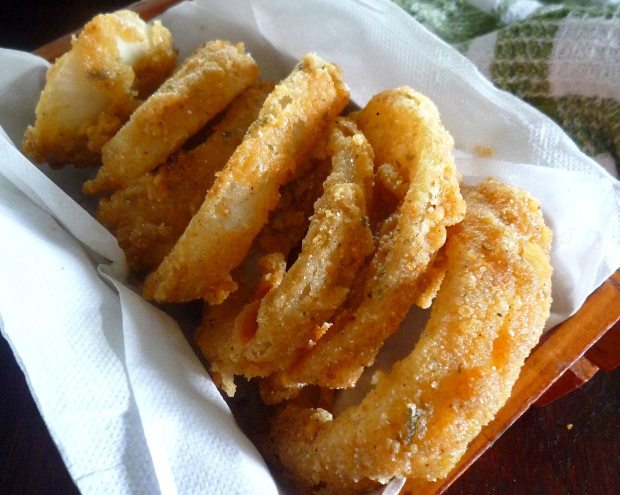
(237, 207)
(222, 321)
(404, 130)
(202, 87)
(285, 230)
(148, 216)
(417, 421)
(91, 90)
(288, 223)
(269, 334)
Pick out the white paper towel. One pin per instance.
(126, 401)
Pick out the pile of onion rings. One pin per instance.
(310, 234)
(419, 418)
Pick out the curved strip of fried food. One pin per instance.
(237, 207)
(288, 223)
(271, 333)
(91, 90)
(202, 87)
(148, 216)
(419, 418)
(283, 233)
(292, 316)
(236, 316)
(404, 130)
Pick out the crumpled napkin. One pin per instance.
(129, 405)
(127, 402)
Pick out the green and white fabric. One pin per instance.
(561, 57)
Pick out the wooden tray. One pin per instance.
(560, 358)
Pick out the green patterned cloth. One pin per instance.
(561, 57)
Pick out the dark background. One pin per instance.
(25, 25)
(538, 455)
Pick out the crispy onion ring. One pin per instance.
(202, 87)
(148, 216)
(286, 228)
(288, 223)
(91, 90)
(417, 421)
(405, 131)
(236, 208)
(270, 333)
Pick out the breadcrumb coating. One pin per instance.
(271, 332)
(90, 91)
(489, 313)
(237, 207)
(148, 216)
(201, 88)
(404, 130)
